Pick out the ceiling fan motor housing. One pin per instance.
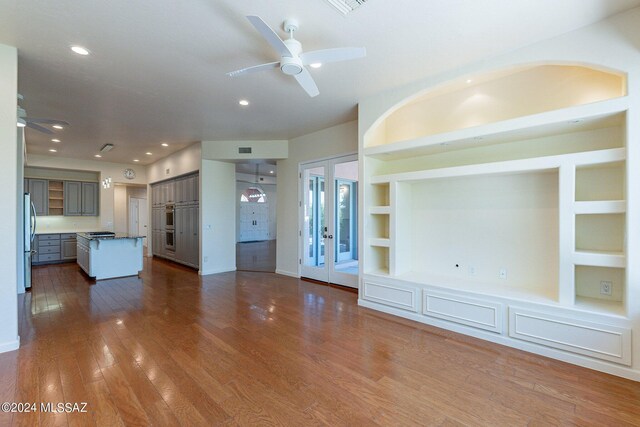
(292, 65)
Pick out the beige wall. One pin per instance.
(331, 142)
(176, 164)
(9, 221)
(217, 217)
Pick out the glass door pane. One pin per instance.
(345, 175)
(314, 223)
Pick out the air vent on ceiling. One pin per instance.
(244, 150)
(346, 6)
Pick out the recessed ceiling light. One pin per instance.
(164, 144)
(136, 160)
(80, 50)
(270, 171)
(97, 155)
(243, 102)
(469, 80)
(316, 65)
(57, 127)
(53, 150)
(55, 140)
(148, 153)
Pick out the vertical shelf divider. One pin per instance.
(566, 233)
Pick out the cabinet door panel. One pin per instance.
(69, 249)
(39, 190)
(90, 198)
(72, 198)
(194, 252)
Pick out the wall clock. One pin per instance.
(129, 173)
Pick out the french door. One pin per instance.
(328, 209)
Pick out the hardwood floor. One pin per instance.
(172, 348)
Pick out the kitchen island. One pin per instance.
(105, 255)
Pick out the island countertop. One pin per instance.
(115, 236)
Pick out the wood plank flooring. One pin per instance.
(171, 348)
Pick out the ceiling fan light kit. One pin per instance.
(293, 60)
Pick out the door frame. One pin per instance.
(335, 277)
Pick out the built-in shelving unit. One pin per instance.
(56, 197)
(511, 211)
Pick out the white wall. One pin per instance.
(217, 217)
(331, 142)
(104, 169)
(9, 339)
(120, 209)
(272, 200)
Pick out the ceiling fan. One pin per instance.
(33, 123)
(293, 60)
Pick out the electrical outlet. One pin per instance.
(472, 270)
(606, 287)
(206, 259)
(502, 274)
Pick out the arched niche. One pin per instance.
(493, 97)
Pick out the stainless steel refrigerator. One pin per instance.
(29, 231)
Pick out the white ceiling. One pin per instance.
(157, 69)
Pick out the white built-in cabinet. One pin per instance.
(509, 224)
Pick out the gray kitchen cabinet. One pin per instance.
(90, 198)
(48, 247)
(187, 231)
(39, 189)
(183, 193)
(72, 198)
(68, 246)
(193, 256)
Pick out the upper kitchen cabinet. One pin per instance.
(39, 190)
(90, 198)
(81, 198)
(72, 198)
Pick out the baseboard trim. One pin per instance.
(10, 346)
(287, 273)
(216, 271)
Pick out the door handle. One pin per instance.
(330, 236)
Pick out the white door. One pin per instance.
(328, 209)
(138, 217)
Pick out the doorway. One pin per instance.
(256, 203)
(138, 214)
(329, 237)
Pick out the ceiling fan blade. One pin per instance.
(39, 128)
(306, 81)
(332, 55)
(254, 69)
(269, 35)
(47, 121)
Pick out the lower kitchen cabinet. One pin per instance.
(54, 247)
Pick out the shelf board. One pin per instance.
(379, 210)
(482, 287)
(536, 164)
(380, 272)
(592, 116)
(56, 198)
(600, 207)
(380, 242)
(600, 305)
(599, 258)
